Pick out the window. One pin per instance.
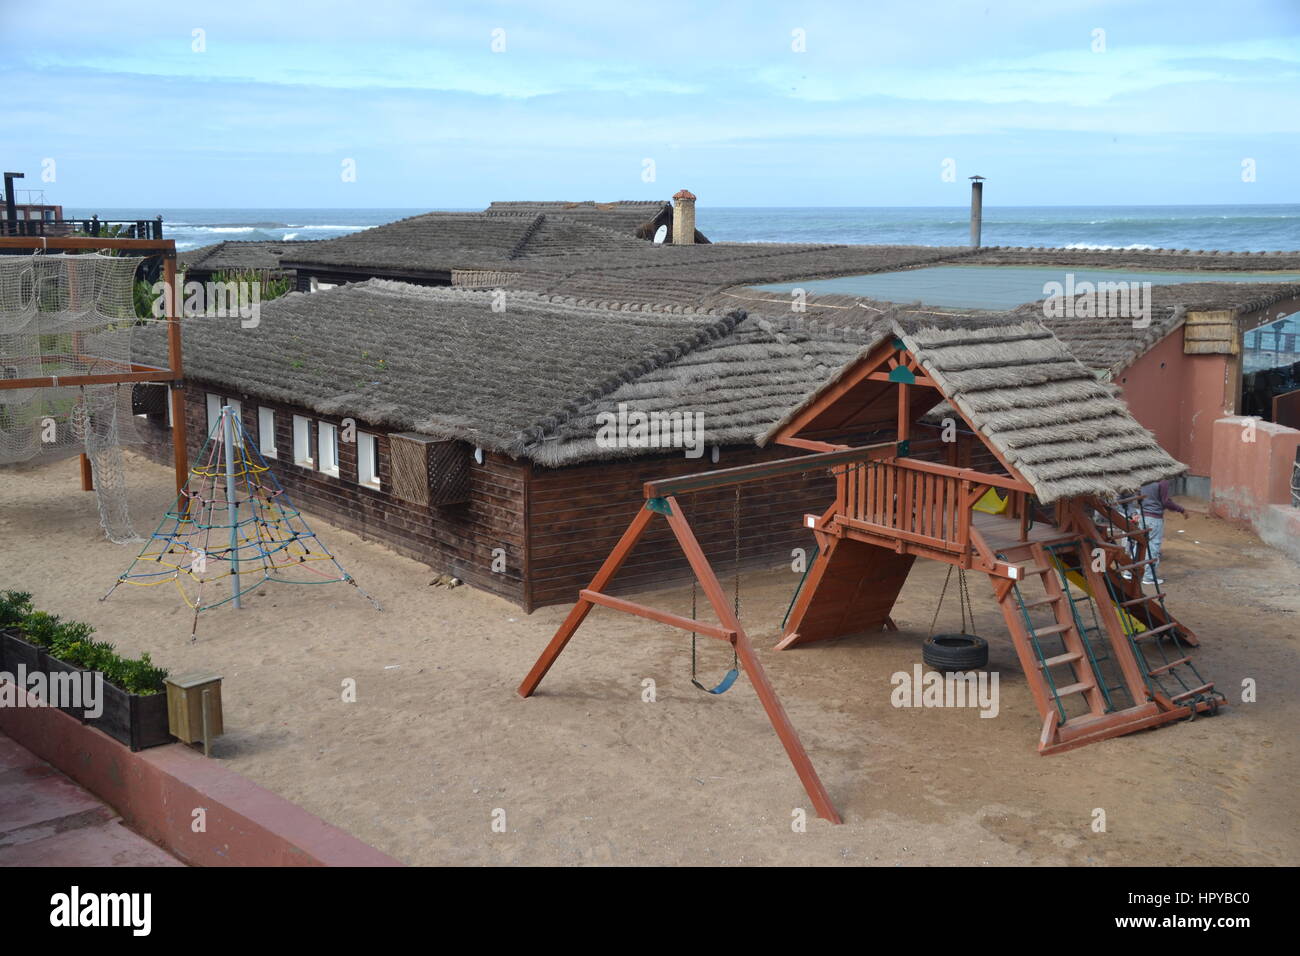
(266, 432)
(302, 442)
(368, 459)
(327, 440)
(318, 286)
(214, 412)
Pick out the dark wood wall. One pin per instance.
(454, 539)
(556, 525)
(578, 513)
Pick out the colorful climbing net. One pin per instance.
(231, 530)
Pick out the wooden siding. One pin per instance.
(455, 539)
(578, 513)
(555, 524)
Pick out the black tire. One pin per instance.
(955, 652)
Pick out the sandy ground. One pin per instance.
(586, 772)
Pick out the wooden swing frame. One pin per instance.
(661, 499)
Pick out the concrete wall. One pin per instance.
(1179, 397)
(1251, 480)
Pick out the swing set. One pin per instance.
(1101, 657)
(661, 498)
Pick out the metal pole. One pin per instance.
(228, 429)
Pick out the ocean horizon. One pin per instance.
(1227, 228)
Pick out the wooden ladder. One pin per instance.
(1054, 673)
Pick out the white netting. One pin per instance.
(65, 315)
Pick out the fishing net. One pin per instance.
(62, 316)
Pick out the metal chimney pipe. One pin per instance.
(976, 209)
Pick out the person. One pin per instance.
(1155, 501)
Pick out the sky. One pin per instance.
(451, 105)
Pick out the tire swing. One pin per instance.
(950, 653)
(728, 678)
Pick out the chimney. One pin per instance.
(683, 218)
(976, 209)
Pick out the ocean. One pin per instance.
(1226, 228)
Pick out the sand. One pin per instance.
(587, 772)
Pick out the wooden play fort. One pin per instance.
(983, 444)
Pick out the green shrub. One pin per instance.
(41, 628)
(70, 642)
(14, 606)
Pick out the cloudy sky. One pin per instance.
(251, 104)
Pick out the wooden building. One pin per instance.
(476, 431)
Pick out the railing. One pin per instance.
(915, 501)
(94, 226)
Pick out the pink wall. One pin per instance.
(1178, 397)
(1247, 475)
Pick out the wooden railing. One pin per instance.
(916, 501)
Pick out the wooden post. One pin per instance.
(580, 610)
(812, 784)
(176, 387)
(87, 475)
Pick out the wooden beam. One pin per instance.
(176, 394)
(82, 243)
(581, 609)
(654, 614)
(724, 477)
(749, 661)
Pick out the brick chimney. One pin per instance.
(683, 218)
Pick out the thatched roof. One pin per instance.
(1064, 432)
(740, 383)
(436, 361)
(1166, 260)
(237, 256)
(432, 242)
(626, 217)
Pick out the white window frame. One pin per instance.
(327, 448)
(318, 286)
(214, 411)
(302, 442)
(266, 431)
(368, 460)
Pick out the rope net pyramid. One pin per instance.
(65, 315)
(230, 530)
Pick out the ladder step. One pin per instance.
(1060, 659)
(1075, 688)
(1165, 668)
(1145, 597)
(1193, 692)
(1137, 564)
(1154, 631)
(1051, 629)
(1050, 599)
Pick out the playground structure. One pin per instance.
(65, 323)
(231, 523)
(1029, 482)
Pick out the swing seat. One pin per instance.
(724, 685)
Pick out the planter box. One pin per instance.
(55, 666)
(136, 721)
(18, 651)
